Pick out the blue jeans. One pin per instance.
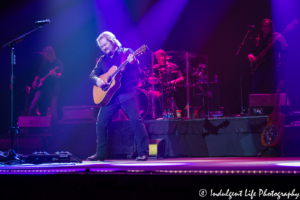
(42, 99)
(131, 108)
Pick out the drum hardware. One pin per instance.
(145, 103)
(190, 56)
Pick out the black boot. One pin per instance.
(142, 158)
(95, 158)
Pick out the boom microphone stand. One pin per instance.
(240, 64)
(11, 155)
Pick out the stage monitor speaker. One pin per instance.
(156, 148)
(34, 125)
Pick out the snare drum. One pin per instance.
(153, 78)
(146, 105)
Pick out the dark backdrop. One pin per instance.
(213, 28)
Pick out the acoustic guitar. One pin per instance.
(274, 130)
(261, 57)
(102, 95)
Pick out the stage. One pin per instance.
(240, 166)
(209, 158)
(213, 137)
(168, 178)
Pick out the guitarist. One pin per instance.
(47, 85)
(126, 96)
(265, 77)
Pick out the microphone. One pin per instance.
(41, 22)
(251, 26)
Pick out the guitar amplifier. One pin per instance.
(262, 104)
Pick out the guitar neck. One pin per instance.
(42, 79)
(270, 45)
(120, 68)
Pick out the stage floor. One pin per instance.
(237, 166)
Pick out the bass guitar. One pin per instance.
(261, 57)
(102, 95)
(274, 130)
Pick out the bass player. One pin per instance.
(47, 85)
(265, 77)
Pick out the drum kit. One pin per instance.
(146, 93)
(152, 80)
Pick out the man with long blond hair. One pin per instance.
(126, 97)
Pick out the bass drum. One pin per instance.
(146, 106)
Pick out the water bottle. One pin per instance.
(169, 113)
(201, 79)
(216, 78)
(205, 78)
(165, 114)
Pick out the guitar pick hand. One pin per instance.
(131, 59)
(100, 82)
(52, 72)
(251, 58)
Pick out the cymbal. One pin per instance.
(190, 55)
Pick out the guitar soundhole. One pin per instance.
(105, 88)
(270, 134)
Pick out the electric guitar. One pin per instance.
(102, 95)
(40, 82)
(274, 130)
(261, 57)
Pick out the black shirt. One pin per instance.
(173, 72)
(129, 80)
(272, 58)
(51, 83)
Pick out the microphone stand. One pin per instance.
(241, 76)
(11, 155)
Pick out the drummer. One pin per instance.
(173, 75)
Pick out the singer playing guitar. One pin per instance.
(265, 77)
(126, 97)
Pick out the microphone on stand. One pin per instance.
(42, 22)
(249, 28)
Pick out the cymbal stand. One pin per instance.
(152, 86)
(187, 85)
(241, 74)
